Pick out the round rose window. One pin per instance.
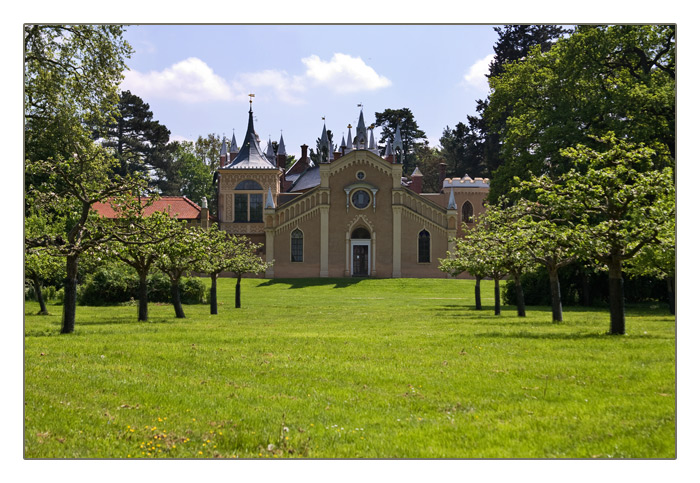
(360, 199)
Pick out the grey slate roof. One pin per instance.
(310, 178)
(250, 155)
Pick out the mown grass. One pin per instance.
(349, 369)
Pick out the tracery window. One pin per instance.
(467, 212)
(424, 247)
(297, 245)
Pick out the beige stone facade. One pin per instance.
(356, 217)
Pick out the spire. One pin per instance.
(270, 153)
(350, 146)
(325, 143)
(223, 147)
(451, 204)
(398, 144)
(270, 203)
(234, 146)
(361, 133)
(342, 144)
(372, 146)
(250, 155)
(281, 150)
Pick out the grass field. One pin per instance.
(397, 368)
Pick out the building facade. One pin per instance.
(352, 215)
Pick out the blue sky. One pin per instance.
(197, 78)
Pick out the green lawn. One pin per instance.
(398, 368)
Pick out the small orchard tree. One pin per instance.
(551, 241)
(621, 204)
(40, 265)
(467, 258)
(228, 253)
(139, 247)
(245, 261)
(179, 255)
(506, 245)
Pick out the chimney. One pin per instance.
(304, 149)
(442, 170)
(417, 181)
(282, 161)
(204, 214)
(222, 160)
(336, 155)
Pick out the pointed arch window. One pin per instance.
(297, 245)
(424, 247)
(467, 212)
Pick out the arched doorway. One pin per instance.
(360, 243)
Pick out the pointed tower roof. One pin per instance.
(234, 146)
(451, 204)
(342, 143)
(250, 155)
(416, 172)
(270, 153)
(326, 143)
(270, 203)
(223, 147)
(371, 140)
(389, 151)
(361, 132)
(350, 146)
(398, 142)
(281, 150)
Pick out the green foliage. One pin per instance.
(411, 134)
(115, 284)
(601, 79)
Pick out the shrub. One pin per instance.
(118, 284)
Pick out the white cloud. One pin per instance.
(286, 87)
(190, 80)
(476, 77)
(343, 74)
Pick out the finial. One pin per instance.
(251, 100)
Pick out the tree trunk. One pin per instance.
(175, 294)
(70, 294)
(143, 297)
(213, 304)
(555, 292)
(477, 293)
(519, 296)
(39, 296)
(670, 286)
(238, 292)
(496, 297)
(584, 296)
(617, 297)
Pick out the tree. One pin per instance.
(40, 265)
(428, 161)
(184, 174)
(139, 247)
(411, 134)
(469, 257)
(229, 253)
(135, 137)
(551, 240)
(463, 149)
(71, 78)
(621, 205)
(321, 150)
(183, 253)
(601, 79)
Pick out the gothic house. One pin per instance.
(352, 214)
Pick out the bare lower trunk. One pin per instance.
(670, 286)
(213, 304)
(477, 293)
(555, 292)
(175, 294)
(143, 297)
(617, 297)
(497, 296)
(70, 294)
(40, 296)
(238, 293)
(519, 296)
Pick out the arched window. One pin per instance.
(467, 212)
(360, 233)
(297, 246)
(248, 205)
(424, 247)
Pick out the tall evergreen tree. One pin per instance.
(411, 134)
(134, 135)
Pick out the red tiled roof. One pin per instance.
(178, 206)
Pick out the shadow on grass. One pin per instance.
(313, 282)
(564, 336)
